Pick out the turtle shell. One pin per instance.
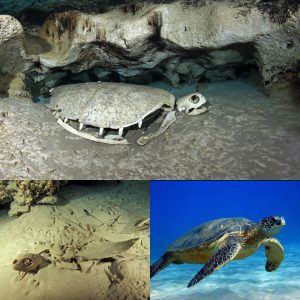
(207, 233)
(107, 104)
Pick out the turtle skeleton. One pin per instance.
(117, 106)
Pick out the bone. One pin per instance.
(143, 222)
(198, 111)
(89, 136)
(81, 126)
(113, 137)
(111, 276)
(168, 121)
(120, 133)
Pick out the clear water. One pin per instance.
(177, 207)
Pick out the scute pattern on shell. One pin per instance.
(108, 105)
(210, 232)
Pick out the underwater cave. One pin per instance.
(91, 237)
(242, 56)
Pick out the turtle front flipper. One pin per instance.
(274, 253)
(161, 264)
(168, 121)
(224, 255)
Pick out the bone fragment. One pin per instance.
(121, 131)
(91, 137)
(168, 121)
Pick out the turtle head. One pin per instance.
(192, 104)
(271, 225)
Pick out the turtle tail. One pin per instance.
(159, 265)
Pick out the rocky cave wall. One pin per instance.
(22, 194)
(180, 42)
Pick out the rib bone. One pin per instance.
(89, 136)
(121, 131)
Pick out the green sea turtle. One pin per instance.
(217, 242)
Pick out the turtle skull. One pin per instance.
(192, 104)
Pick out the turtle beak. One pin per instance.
(282, 221)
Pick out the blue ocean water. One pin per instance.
(178, 206)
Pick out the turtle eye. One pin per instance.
(195, 99)
(276, 221)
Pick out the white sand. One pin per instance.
(107, 221)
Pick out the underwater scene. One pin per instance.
(179, 206)
(159, 89)
(74, 240)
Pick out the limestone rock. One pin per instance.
(220, 75)
(5, 196)
(12, 57)
(14, 85)
(181, 41)
(15, 6)
(24, 193)
(17, 209)
(221, 34)
(53, 79)
(11, 45)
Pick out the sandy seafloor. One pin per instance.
(118, 269)
(240, 280)
(245, 135)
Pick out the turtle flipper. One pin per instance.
(222, 257)
(168, 121)
(159, 265)
(274, 253)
